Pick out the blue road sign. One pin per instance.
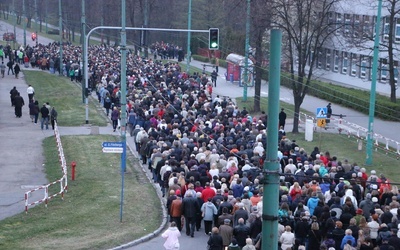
(116, 144)
(321, 112)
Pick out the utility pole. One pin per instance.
(188, 52)
(85, 91)
(15, 24)
(246, 54)
(370, 135)
(271, 166)
(24, 20)
(123, 102)
(36, 22)
(146, 24)
(45, 17)
(60, 28)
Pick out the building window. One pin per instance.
(336, 62)
(363, 69)
(353, 65)
(328, 59)
(397, 33)
(386, 28)
(366, 28)
(345, 62)
(338, 23)
(319, 63)
(384, 73)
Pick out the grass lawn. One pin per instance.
(65, 96)
(89, 216)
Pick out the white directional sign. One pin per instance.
(113, 150)
(321, 112)
(112, 147)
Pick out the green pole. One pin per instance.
(84, 84)
(45, 17)
(370, 134)
(189, 53)
(36, 22)
(60, 28)
(246, 53)
(123, 102)
(271, 166)
(15, 24)
(24, 16)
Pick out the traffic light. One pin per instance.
(213, 39)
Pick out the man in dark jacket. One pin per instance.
(18, 103)
(241, 232)
(44, 111)
(190, 208)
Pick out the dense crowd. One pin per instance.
(206, 155)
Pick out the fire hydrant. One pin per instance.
(73, 165)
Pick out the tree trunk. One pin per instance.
(258, 71)
(297, 104)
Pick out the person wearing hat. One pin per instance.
(226, 232)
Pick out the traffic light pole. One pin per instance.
(246, 53)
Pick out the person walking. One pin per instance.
(215, 241)
(44, 111)
(172, 235)
(2, 69)
(13, 94)
(282, 118)
(31, 92)
(328, 112)
(17, 69)
(53, 116)
(209, 210)
(214, 76)
(10, 67)
(190, 207)
(34, 110)
(114, 118)
(18, 103)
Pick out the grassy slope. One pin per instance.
(88, 218)
(65, 96)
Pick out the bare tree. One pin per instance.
(305, 26)
(261, 21)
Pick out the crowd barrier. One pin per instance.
(357, 131)
(63, 181)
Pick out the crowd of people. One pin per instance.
(206, 155)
